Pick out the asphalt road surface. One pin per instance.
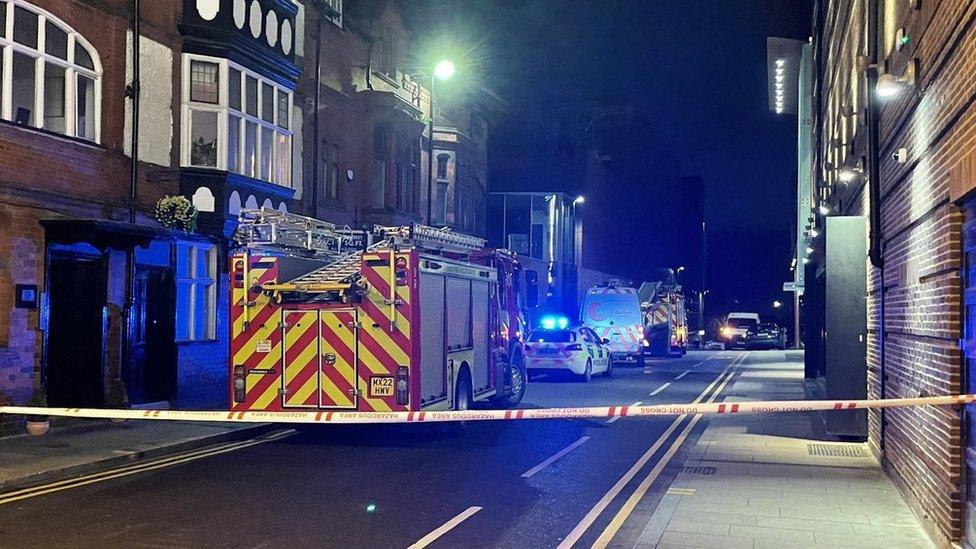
(545, 483)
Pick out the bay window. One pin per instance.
(235, 120)
(49, 74)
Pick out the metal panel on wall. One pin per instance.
(845, 326)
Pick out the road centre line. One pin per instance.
(138, 468)
(657, 391)
(682, 374)
(615, 418)
(554, 457)
(631, 503)
(607, 498)
(444, 528)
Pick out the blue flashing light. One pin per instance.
(553, 322)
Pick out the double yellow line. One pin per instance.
(711, 393)
(141, 467)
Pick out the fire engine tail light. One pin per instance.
(239, 393)
(403, 385)
(239, 273)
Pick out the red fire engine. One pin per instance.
(387, 319)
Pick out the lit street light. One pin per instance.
(579, 200)
(777, 304)
(442, 71)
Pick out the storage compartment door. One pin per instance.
(481, 369)
(433, 368)
(301, 360)
(339, 356)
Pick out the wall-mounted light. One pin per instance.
(890, 85)
(849, 173)
(824, 209)
(809, 250)
(814, 233)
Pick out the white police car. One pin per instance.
(560, 347)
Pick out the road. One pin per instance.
(513, 484)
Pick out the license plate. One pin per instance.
(548, 352)
(381, 386)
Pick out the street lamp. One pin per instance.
(442, 71)
(579, 200)
(777, 304)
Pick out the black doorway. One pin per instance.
(152, 376)
(77, 288)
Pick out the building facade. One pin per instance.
(894, 159)
(300, 106)
(367, 149)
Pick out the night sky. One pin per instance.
(692, 71)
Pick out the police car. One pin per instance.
(556, 346)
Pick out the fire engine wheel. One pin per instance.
(588, 372)
(462, 392)
(517, 379)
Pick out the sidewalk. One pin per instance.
(88, 446)
(767, 481)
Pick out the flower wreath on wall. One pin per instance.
(176, 212)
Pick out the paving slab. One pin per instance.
(768, 490)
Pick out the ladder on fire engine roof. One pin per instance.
(295, 234)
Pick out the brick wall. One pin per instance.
(921, 448)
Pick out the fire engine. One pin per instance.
(665, 318)
(383, 319)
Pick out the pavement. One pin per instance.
(774, 480)
(85, 446)
(622, 482)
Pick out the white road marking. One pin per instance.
(615, 418)
(554, 457)
(682, 374)
(581, 528)
(444, 528)
(655, 392)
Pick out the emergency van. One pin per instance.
(613, 312)
(389, 319)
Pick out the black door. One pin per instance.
(152, 375)
(76, 287)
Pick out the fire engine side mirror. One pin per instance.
(531, 289)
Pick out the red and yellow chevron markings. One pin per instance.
(337, 387)
(258, 346)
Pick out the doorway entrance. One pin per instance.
(77, 292)
(152, 375)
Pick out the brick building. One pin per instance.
(893, 129)
(228, 117)
(366, 154)
(215, 120)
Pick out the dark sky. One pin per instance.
(694, 71)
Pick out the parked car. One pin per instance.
(574, 349)
(765, 336)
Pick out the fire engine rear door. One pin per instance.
(301, 361)
(339, 348)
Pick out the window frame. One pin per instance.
(41, 59)
(187, 250)
(225, 112)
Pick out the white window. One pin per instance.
(50, 76)
(235, 120)
(196, 291)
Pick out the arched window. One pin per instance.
(442, 160)
(50, 75)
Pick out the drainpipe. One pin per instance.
(875, 236)
(132, 91)
(315, 120)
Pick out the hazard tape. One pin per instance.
(491, 415)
